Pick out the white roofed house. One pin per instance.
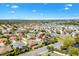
(30, 35)
(4, 31)
(58, 45)
(4, 26)
(18, 44)
(74, 33)
(9, 29)
(54, 34)
(1, 28)
(61, 32)
(24, 40)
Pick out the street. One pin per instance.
(35, 52)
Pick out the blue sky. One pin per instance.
(39, 11)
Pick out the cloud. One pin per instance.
(7, 5)
(70, 5)
(14, 6)
(34, 10)
(13, 12)
(66, 8)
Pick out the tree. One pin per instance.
(68, 41)
(50, 48)
(74, 51)
(64, 47)
(26, 48)
(48, 41)
(8, 41)
(0, 33)
(77, 38)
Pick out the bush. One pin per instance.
(50, 41)
(50, 48)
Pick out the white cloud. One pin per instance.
(34, 10)
(14, 6)
(7, 5)
(13, 12)
(70, 5)
(66, 8)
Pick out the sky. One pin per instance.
(39, 11)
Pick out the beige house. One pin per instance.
(5, 49)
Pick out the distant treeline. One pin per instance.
(66, 22)
(71, 23)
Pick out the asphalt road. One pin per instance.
(35, 52)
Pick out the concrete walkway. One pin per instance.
(60, 53)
